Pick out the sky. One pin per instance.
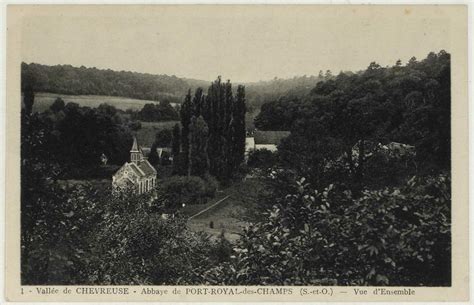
(244, 44)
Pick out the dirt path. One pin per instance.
(229, 214)
(208, 208)
(222, 216)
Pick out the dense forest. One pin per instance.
(408, 104)
(66, 79)
(359, 193)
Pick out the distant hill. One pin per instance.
(261, 92)
(66, 79)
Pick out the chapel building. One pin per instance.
(138, 175)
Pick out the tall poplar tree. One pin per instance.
(198, 158)
(197, 102)
(227, 168)
(176, 148)
(239, 130)
(215, 95)
(186, 114)
(224, 117)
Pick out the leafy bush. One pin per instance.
(393, 236)
(157, 112)
(79, 236)
(179, 190)
(148, 250)
(262, 158)
(211, 186)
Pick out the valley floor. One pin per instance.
(231, 215)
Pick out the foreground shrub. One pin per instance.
(179, 190)
(262, 158)
(143, 248)
(393, 236)
(82, 237)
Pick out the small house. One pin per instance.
(264, 139)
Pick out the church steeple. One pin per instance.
(135, 153)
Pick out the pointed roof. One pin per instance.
(147, 168)
(135, 145)
(137, 169)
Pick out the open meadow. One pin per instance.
(43, 101)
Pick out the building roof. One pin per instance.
(145, 150)
(142, 168)
(135, 145)
(269, 136)
(136, 168)
(270, 147)
(147, 168)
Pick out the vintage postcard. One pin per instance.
(237, 153)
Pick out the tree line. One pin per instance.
(163, 111)
(75, 137)
(211, 139)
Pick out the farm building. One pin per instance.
(138, 175)
(160, 151)
(264, 140)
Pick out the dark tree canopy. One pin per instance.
(163, 138)
(58, 105)
(157, 113)
(198, 158)
(407, 104)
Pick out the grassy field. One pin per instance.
(231, 215)
(44, 100)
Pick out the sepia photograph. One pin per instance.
(236, 146)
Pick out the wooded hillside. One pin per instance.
(66, 79)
